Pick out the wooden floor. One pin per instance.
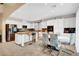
(34, 49)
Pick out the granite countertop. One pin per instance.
(29, 33)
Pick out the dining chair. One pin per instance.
(46, 44)
(54, 42)
(45, 39)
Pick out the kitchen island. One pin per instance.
(23, 37)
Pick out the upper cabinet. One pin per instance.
(30, 25)
(43, 24)
(70, 22)
(51, 22)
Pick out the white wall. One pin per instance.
(77, 31)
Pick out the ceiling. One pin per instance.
(7, 8)
(37, 11)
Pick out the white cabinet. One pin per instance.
(22, 38)
(36, 26)
(70, 22)
(58, 25)
(67, 38)
(30, 25)
(44, 24)
(64, 38)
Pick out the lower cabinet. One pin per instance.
(22, 38)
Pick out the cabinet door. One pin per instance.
(7, 32)
(18, 39)
(26, 38)
(44, 24)
(12, 37)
